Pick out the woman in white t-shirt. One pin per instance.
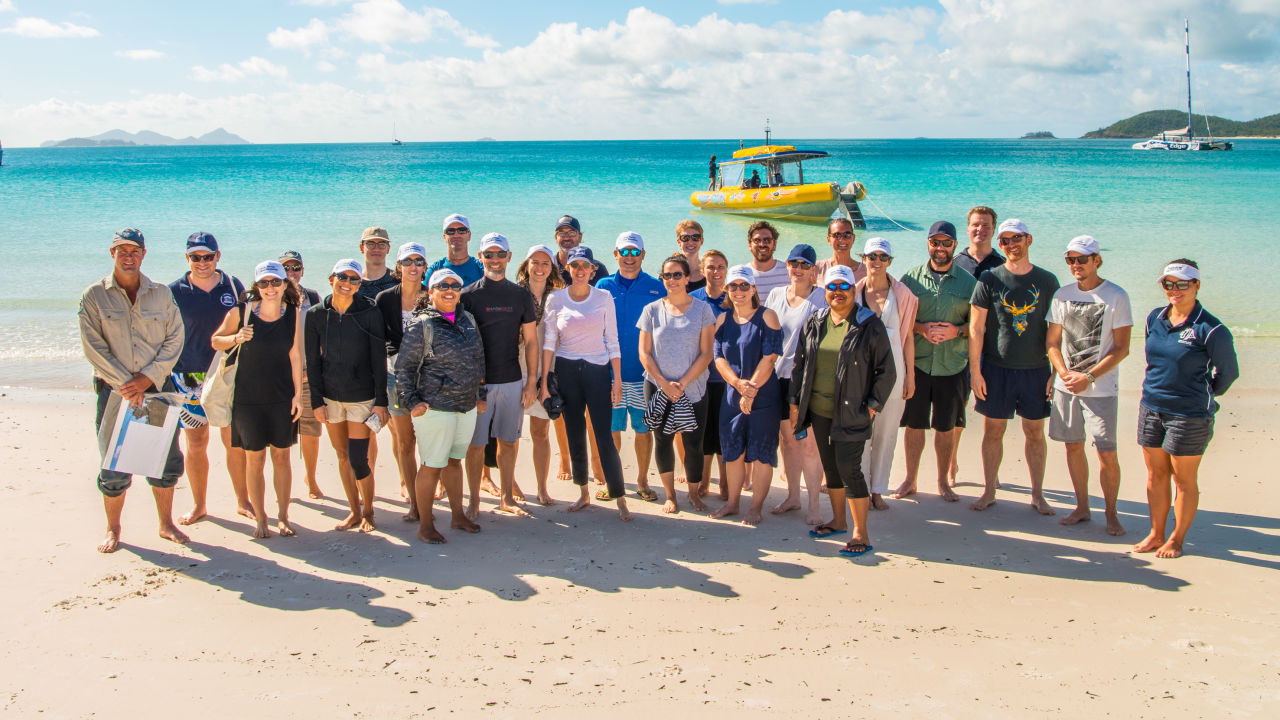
(794, 303)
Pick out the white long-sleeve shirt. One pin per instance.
(586, 330)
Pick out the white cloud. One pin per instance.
(387, 22)
(39, 28)
(254, 66)
(140, 54)
(7, 6)
(304, 38)
(326, 66)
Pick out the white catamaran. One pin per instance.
(1184, 138)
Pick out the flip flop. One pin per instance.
(818, 531)
(650, 495)
(845, 551)
(603, 495)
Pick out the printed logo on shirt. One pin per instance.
(1020, 312)
(1187, 336)
(227, 300)
(499, 308)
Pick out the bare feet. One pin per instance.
(906, 489)
(813, 518)
(983, 502)
(753, 517)
(196, 515)
(878, 503)
(695, 502)
(1078, 515)
(313, 491)
(953, 476)
(1114, 528)
(171, 532)
(284, 528)
(623, 513)
(516, 492)
(404, 491)
(786, 505)
(431, 536)
(352, 520)
(487, 485)
(513, 508)
(1041, 506)
(680, 480)
(545, 499)
(564, 474)
(261, 531)
(366, 524)
(726, 509)
(1149, 544)
(1170, 549)
(724, 492)
(111, 542)
(669, 507)
(473, 511)
(583, 501)
(946, 493)
(411, 516)
(465, 524)
(246, 511)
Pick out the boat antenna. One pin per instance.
(766, 131)
(1186, 26)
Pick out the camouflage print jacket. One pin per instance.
(449, 375)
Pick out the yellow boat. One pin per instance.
(781, 191)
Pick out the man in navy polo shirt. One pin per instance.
(204, 294)
(632, 289)
(568, 237)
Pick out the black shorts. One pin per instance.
(711, 433)
(255, 427)
(1175, 435)
(941, 396)
(1009, 391)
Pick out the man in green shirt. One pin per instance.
(942, 359)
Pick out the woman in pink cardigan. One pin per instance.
(896, 306)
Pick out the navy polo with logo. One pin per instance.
(202, 313)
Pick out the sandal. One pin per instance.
(603, 494)
(647, 494)
(854, 549)
(825, 531)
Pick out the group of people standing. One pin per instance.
(813, 363)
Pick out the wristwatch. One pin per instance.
(1092, 379)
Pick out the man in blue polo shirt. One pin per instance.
(457, 236)
(632, 289)
(204, 294)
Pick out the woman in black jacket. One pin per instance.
(346, 368)
(397, 306)
(842, 377)
(439, 377)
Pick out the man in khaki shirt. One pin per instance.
(132, 335)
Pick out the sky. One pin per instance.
(346, 70)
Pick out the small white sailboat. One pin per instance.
(394, 139)
(1184, 138)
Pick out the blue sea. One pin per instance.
(59, 207)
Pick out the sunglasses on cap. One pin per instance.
(690, 237)
(1016, 238)
(843, 286)
(630, 252)
(270, 282)
(456, 231)
(1082, 260)
(414, 261)
(494, 254)
(293, 267)
(1176, 284)
(348, 279)
(739, 286)
(202, 257)
(447, 285)
(674, 275)
(943, 242)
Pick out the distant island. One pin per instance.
(1040, 135)
(120, 138)
(486, 139)
(1154, 122)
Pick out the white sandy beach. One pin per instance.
(957, 614)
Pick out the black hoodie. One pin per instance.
(346, 353)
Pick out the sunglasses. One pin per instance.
(447, 286)
(270, 282)
(630, 252)
(1014, 239)
(841, 235)
(878, 257)
(581, 265)
(945, 242)
(202, 257)
(739, 286)
(456, 231)
(1082, 260)
(348, 279)
(1176, 284)
(494, 254)
(676, 275)
(690, 238)
(842, 286)
(414, 261)
(293, 267)
(379, 244)
(567, 233)
(801, 264)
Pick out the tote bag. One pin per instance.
(220, 382)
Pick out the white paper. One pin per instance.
(140, 441)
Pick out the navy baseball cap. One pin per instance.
(129, 236)
(569, 221)
(582, 252)
(942, 227)
(201, 241)
(805, 253)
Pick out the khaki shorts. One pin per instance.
(308, 425)
(348, 411)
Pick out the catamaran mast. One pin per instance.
(1186, 26)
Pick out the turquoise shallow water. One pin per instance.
(58, 208)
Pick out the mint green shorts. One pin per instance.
(443, 436)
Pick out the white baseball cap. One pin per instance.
(1083, 244)
(740, 272)
(540, 249)
(443, 274)
(877, 245)
(629, 240)
(1181, 271)
(494, 240)
(1012, 225)
(456, 218)
(269, 268)
(839, 273)
(411, 248)
(347, 264)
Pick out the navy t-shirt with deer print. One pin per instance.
(1016, 306)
